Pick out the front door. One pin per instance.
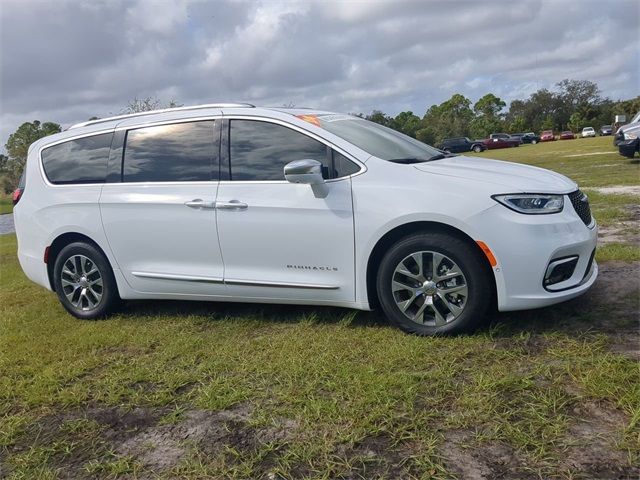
(279, 241)
(160, 218)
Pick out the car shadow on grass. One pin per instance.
(609, 307)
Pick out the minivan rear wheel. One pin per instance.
(84, 282)
(434, 284)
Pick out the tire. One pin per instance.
(84, 282)
(460, 313)
(477, 148)
(533, 142)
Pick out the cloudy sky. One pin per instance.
(67, 61)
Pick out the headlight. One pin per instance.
(531, 203)
(630, 136)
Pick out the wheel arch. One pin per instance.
(404, 230)
(62, 241)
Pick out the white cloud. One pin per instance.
(157, 16)
(66, 61)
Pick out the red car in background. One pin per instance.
(547, 136)
(501, 140)
(567, 135)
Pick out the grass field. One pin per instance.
(6, 205)
(196, 390)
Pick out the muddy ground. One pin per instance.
(159, 447)
(623, 231)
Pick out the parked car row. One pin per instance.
(506, 140)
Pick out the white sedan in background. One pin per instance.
(588, 132)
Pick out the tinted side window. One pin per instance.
(180, 152)
(78, 161)
(260, 150)
(343, 166)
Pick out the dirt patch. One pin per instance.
(592, 438)
(617, 286)
(491, 460)
(611, 307)
(376, 457)
(622, 232)
(161, 447)
(617, 234)
(620, 189)
(138, 435)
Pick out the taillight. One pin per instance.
(17, 194)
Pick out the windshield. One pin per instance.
(379, 141)
(635, 119)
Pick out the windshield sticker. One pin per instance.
(309, 118)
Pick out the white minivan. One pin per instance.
(229, 202)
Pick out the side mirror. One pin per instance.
(307, 171)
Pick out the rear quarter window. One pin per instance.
(83, 160)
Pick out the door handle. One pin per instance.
(199, 203)
(231, 205)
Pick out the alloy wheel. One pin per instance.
(82, 282)
(429, 288)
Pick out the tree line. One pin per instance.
(571, 105)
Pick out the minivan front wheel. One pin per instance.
(433, 283)
(84, 281)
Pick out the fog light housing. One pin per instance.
(560, 270)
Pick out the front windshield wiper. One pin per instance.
(410, 160)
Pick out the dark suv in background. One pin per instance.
(461, 144)
(528, 137)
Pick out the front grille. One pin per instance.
(580, 203)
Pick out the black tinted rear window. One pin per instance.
(180, 152)
(83, 160)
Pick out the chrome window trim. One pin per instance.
(113, 130)
(217, 116)
(58, 142)
(142, 184)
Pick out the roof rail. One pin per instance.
(162, 110)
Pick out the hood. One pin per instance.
(512, 177)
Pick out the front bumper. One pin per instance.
(628, 148)
(525, 245)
